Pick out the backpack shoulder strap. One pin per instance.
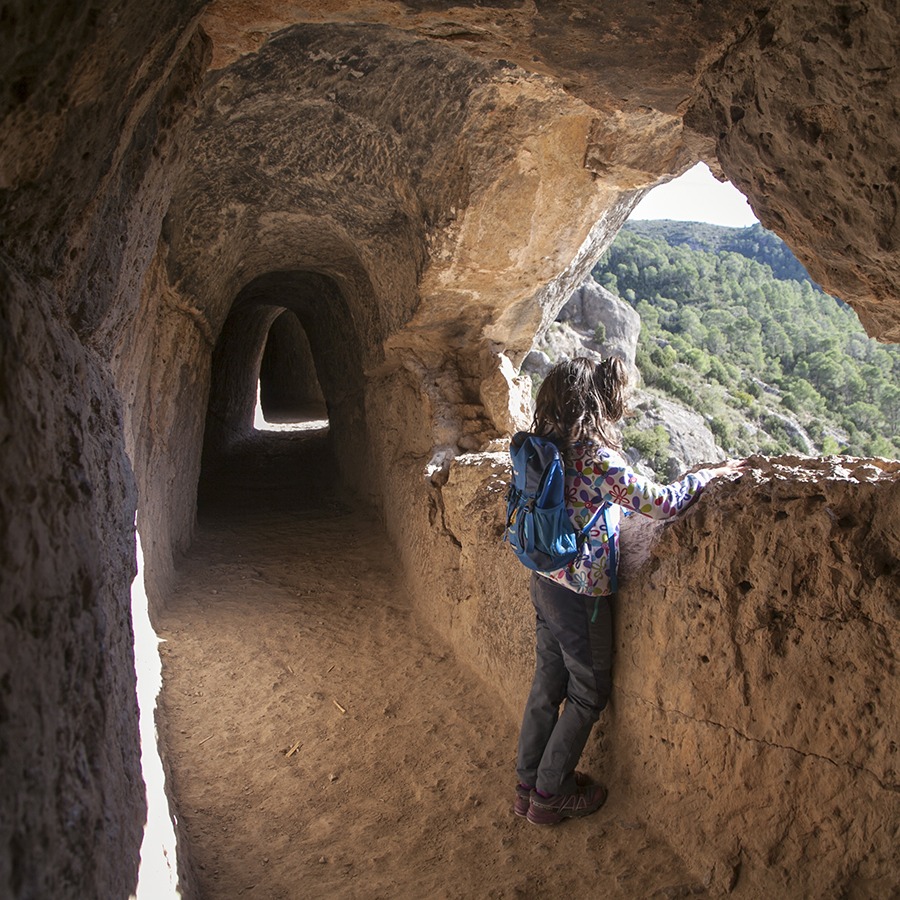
(613, 553)
(604, 510)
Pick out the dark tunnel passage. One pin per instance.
(289, 344)
(269, 472)
(289, 388)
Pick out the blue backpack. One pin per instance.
(538, 528)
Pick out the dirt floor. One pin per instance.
(323, 743)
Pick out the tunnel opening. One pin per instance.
(285, 413)
(696, 196)
(733, 348)
(289, 396)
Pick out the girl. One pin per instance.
(578, 406)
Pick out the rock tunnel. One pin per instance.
(400, 195)
(289, 385)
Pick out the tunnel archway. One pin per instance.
(313, 315)
(289, 389)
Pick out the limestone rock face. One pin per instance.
(593, 323)
(593, 304)
(560, 341)
(575, 333)
(690, 441)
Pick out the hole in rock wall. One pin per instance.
(733, 349)
(696, 196)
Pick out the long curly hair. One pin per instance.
(581, 400)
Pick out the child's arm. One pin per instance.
(621, 484)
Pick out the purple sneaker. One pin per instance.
(552, 810)
(523, 794)
(523, 799)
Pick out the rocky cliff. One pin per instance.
(595, 322)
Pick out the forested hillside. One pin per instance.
(733, 328)
(754, 242)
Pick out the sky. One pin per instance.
(697, 197)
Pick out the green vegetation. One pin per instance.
(651, 443)
(754, 242)
(734, 328)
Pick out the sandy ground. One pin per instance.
(323, 743)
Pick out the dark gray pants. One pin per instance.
(574, 658)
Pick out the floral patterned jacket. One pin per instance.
(596, 474)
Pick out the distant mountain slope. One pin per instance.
(734, 329)
(754, 242)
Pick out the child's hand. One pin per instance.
(729, 467)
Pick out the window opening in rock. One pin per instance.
(733, 349)
(697, 196)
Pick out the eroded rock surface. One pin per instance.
(69, 758)
(793, 102)
(423, 185)
(784, 68)
(756, 639)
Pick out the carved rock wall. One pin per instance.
(89, 129)
(423, 185)
(69, 756)
(755, 666)
(758, 664)
(802, 134)
(162, 367)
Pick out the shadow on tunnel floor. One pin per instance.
(270, 472)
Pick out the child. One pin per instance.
(577, 406)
